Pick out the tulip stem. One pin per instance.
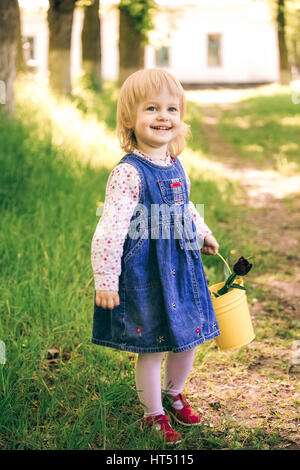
(227, 284)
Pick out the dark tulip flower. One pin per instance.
(242, 267)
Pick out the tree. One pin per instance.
(60, 19)
(285, 74)
(135, 22)
(20, 62)
(9, 10)
(91, 44)
(293, 32)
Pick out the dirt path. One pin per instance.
(261, 392)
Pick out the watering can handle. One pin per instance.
(224, 262)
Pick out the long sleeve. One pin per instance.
(122, 195)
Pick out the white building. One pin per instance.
(199, 41)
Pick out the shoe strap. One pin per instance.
(186, 405)
(181, 397)
(162, 418)
(159, 418)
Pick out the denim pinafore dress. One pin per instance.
(165, 304)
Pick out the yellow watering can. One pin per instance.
(233, 316)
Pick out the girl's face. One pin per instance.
(157, 123)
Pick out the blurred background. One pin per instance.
(200, 41)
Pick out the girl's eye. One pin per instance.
(152, 108)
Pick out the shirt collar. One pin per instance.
(157, 160)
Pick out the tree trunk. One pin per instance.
(91, 45)
(131, 48)
(60, 19)
(8, 51)
(20, 62)
(285, 74)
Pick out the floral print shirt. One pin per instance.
(121, 197)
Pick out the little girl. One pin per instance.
(151, 293)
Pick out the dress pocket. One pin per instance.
(137, 246)
(140, 268)
(172, 191)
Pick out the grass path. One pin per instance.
(254, 390)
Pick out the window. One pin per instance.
(214, 50)
(162, 56)
(29, 48)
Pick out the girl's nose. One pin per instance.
(163, 115)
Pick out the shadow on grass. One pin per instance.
(266, 129)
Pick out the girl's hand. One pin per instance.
(210, 246)
(107, 299)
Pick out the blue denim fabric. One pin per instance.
(165, 304)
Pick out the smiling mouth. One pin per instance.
(161, 128)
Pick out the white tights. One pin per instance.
(148, 378)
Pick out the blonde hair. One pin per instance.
(137, 88)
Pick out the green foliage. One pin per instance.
(104, 105)
(266, 130)
(141, 12)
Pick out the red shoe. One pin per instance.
(161, 424)
(186, 415)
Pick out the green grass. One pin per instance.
(103, 105)
(265, 130)
(48, 195)
(194, 118)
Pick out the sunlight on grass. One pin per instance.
(243, 121)
(290, 121)
(268, 278)
(289, 147)
(196, 164)
(79, 134)
(253, 148)
(84, 134)
(225, 95)
(286, 168)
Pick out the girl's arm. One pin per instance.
(122, 195)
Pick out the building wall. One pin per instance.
(249, 51)
(248, 43)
